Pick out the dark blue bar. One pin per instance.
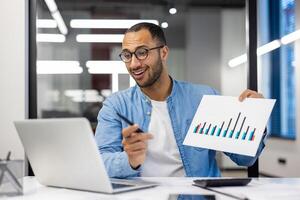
(237, 135)
(224, 134)
(231, 134)
(213, 130)
(201, 130)
(220, 129)
(206, 132)
(245, 133)
(196, 128)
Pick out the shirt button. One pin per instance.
(148, 113)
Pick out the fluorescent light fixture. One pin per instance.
(88, 99)
(268, 47)
(108, 23)
(58, 67)
(84, 95)
(57, 16)
(238, 60)
(106, 92)
(106, 67)
(46, 23)
(290, 37)
(74, 93)
(164, 25)
(42, 37)
(51, 5)
(172, 11)
(100, 38)
(60, 22)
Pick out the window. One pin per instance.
(282, 72)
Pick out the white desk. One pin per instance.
(258, 189)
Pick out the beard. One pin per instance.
(154, 76)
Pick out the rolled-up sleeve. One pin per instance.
(109, 140)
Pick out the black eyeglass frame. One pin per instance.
(147, 51)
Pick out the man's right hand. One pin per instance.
(135, 145)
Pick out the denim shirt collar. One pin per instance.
(169, 98)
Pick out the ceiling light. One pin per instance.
(100, 38)
(106, 67)
(51, 5)
(42, 37)
(106, 92)
(60, 22)
(290, 37)
(46, 23)
(57, 16)
(164, 25)
(172, 11)
(84, 95)
(58, 67)
(108, 23)
(238, 60)
(268, 47)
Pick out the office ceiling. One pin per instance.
(98, 5)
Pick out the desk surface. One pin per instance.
(258, 189)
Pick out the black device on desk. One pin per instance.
(219, 182)
(192, 197)
(207, 184)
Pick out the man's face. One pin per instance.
(145, 72)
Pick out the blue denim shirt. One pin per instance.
(135, 105)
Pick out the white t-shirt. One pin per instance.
(163, 158)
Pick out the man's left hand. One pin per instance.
(250, 94)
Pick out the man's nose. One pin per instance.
(134, 63)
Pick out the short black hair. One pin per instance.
(155, 31)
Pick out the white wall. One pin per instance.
(286, 149)
(203, 47)
(233, 43)
(12, 75)
(213, 37)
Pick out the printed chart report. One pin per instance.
(225, 124)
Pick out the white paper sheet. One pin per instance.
(225, 124)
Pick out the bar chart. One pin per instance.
(225, 124)
(241, 132)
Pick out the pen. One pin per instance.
(129, 122)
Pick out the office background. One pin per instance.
(203, 37)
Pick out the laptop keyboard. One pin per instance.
(118, 186)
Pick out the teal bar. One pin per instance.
(201, 130)
(219, 132)
(244, 136)
(231, 133)
(237, 135)
(206, 132)
(213, 130)
(251, 135)
(196, 128)
(224, 134)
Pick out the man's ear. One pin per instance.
(164, 53)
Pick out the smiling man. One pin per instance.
(161, 107)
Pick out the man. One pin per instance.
(162, 108)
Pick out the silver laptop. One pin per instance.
(63, 153)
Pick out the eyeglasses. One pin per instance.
(140, 53)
